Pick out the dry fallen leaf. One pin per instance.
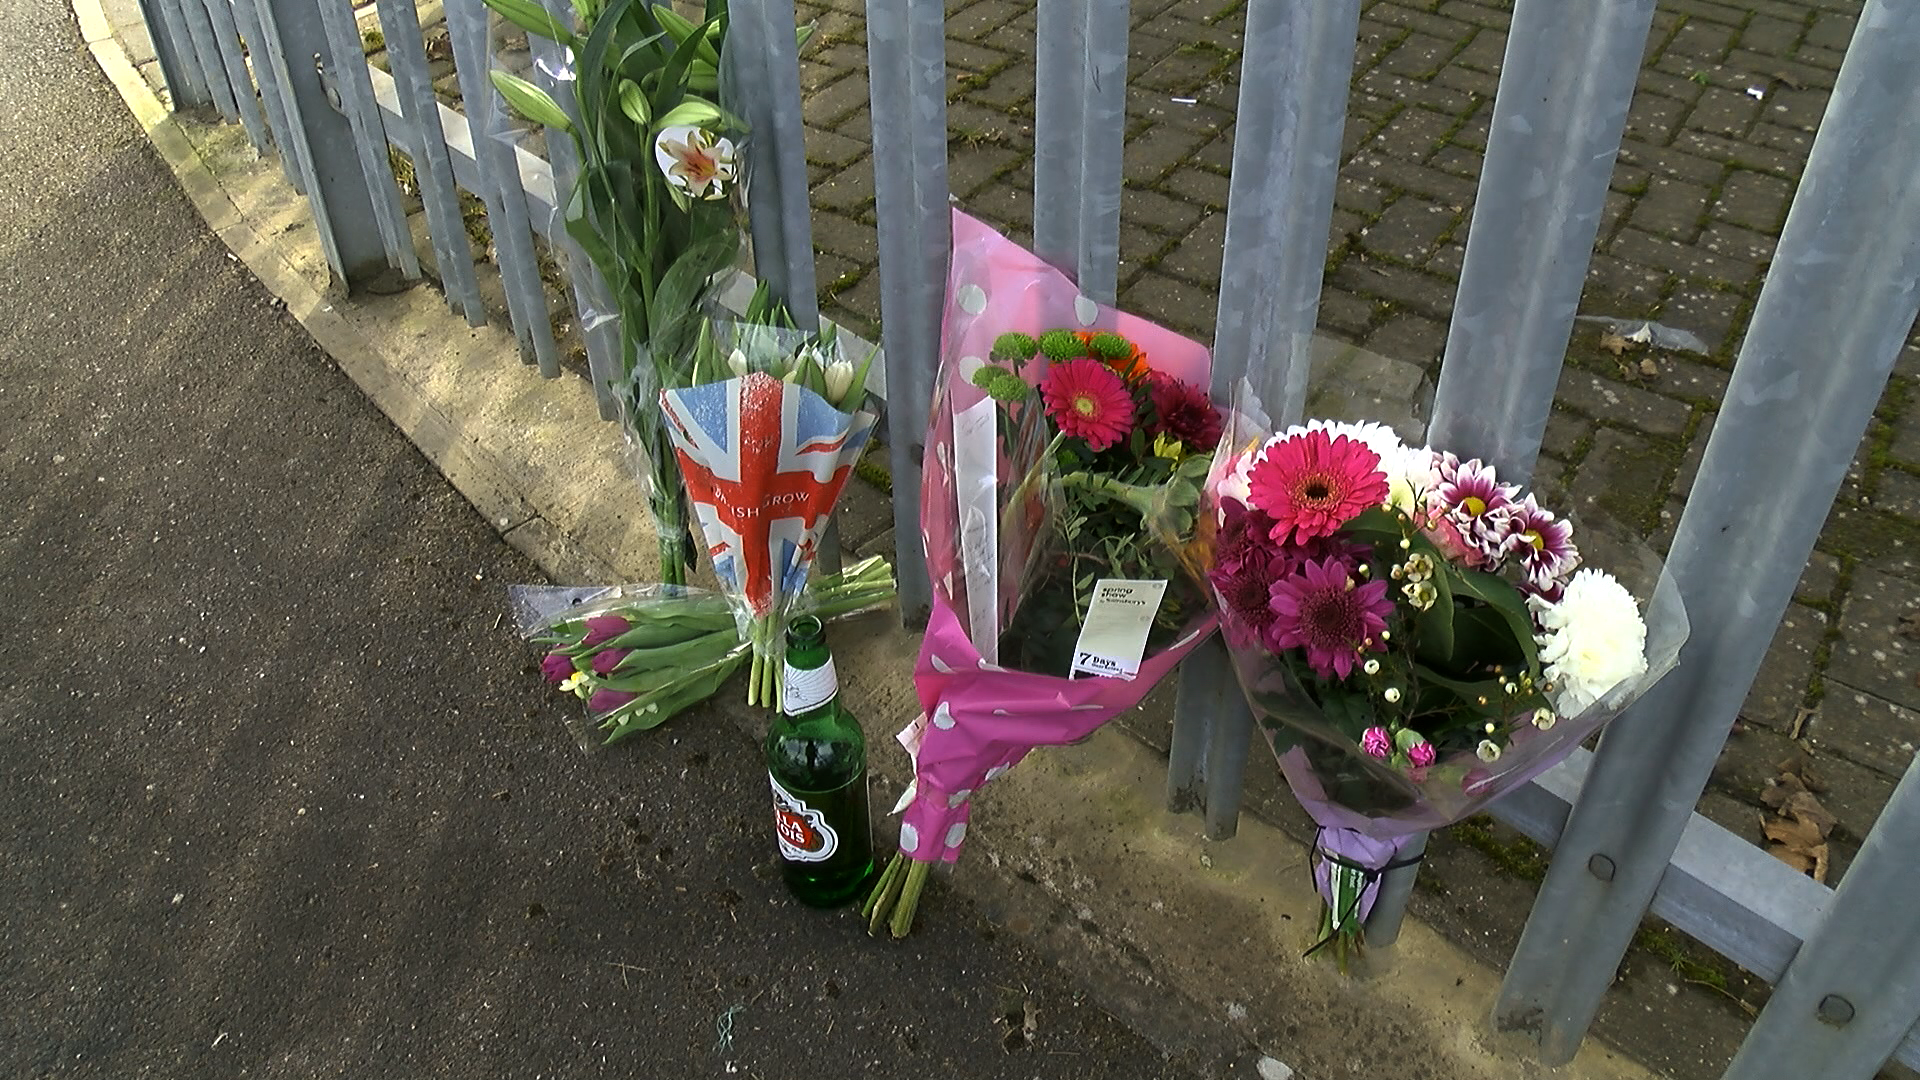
(1648, 368)
(1797, 833)
(1614, 343)
(1910, 625)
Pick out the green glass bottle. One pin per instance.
(817, 762)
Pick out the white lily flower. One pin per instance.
(695, 160)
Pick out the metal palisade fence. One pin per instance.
(1842, 291)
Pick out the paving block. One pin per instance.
(1867, 730)
(1871, 653)
(1623, 478)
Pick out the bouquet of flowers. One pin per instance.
(766, 437)
(638, 654)
(1052, 609)
(657, 206)
(1415, 636)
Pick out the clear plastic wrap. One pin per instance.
(636, 655)
(1456, 694)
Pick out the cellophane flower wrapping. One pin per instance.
(764, 460)
(635, 655)
(1347, 731)
(988, 505)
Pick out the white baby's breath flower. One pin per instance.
(1591, 640)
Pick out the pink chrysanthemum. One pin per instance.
(1421, 754)
(1311, 485)
(1474, 507)
(1377, 742)
(1324, 611)
(1088, 401)
(1542, 543)
(1183, 412)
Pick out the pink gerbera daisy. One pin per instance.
(1324, 611)
(1311, 485)
(1541, 542)
(1088, 401)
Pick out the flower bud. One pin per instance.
(737, 360)
(556, 667)
(604, 628)
(1489, 751)
(1392, 694)
(839, 379)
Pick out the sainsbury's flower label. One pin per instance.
(1114, 636)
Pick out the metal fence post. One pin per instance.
(1838, 302)
(1298, 58)
(1565, 86)
(184, 84)
(1080, 110)
(432, 166)
(355, 89)
(553, 72)
(226, 42)
(764, 65)
(497, 160)
(295, 43)
(907, 58)
(199, 30)
(1852, 993)
(247, 14)
(172, 18)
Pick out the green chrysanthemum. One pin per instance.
(1061, 346)
(1015, 348)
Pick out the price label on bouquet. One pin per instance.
(1114, 637)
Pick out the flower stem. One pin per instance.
(909, 899)
(887, 878)
(885, 894)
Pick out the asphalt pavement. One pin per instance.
(280, 793)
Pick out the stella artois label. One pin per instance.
(804, 833)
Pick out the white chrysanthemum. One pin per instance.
(1592, 639)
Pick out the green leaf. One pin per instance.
(681, 30)
(530, 101)
(1499, 594)
(1376, 526)
(528, 15)
(1468, 691)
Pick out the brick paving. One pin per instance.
(1699, 194)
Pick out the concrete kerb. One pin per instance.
(1195, 944)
